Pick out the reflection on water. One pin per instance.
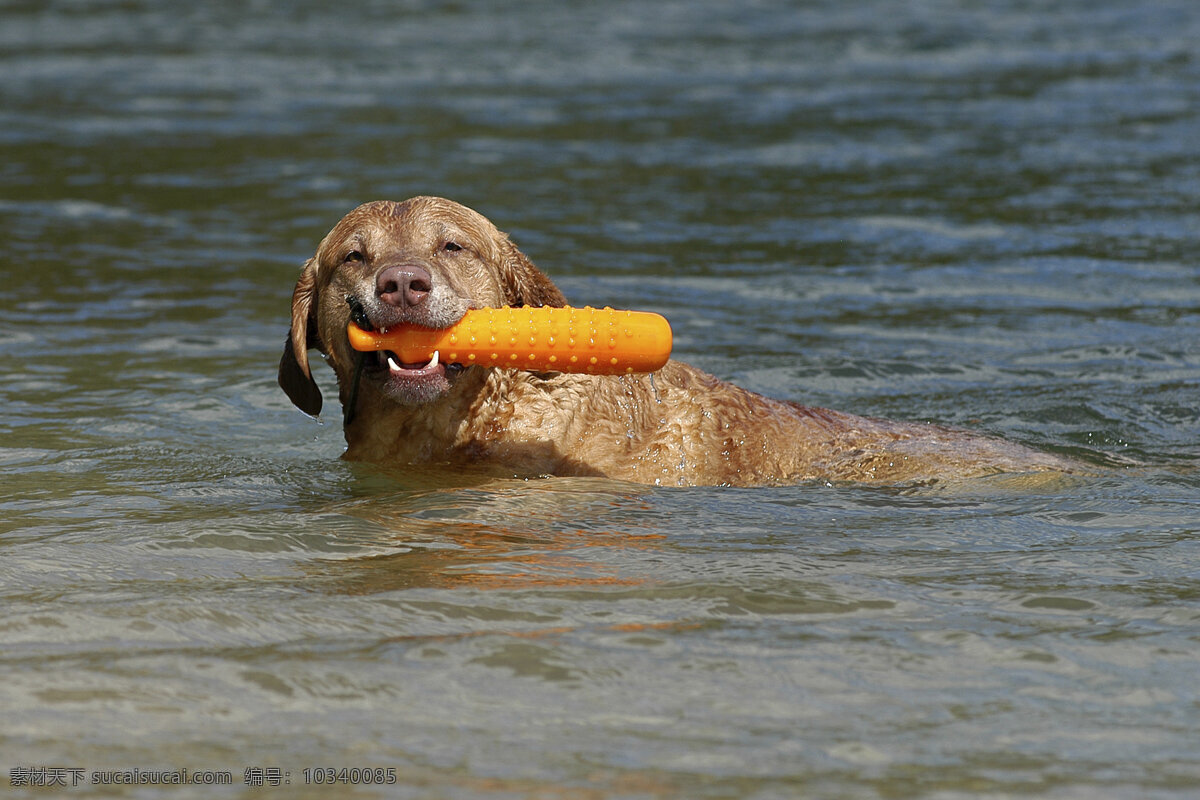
(979, 215)
(536, 534)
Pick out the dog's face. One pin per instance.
(424, 261)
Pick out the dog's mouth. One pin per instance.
(409, 384)
(406, 383)
(397, 369)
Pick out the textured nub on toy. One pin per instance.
(594, 341)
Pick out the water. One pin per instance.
(982, 216)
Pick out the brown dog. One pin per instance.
(427, 260)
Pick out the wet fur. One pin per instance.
(679, 426)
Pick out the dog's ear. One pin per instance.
(295, 376)
(525, 284)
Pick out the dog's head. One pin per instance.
(424, 261)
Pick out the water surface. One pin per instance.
(931, 210)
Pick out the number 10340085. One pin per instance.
(353, 776)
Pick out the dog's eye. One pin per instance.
(452, 247)
(353, 257)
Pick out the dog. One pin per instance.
(427, 260)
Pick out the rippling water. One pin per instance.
(984, 216)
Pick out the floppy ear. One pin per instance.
(295, 377)
(525, 284)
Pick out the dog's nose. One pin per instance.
(403, 286)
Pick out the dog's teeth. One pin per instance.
(433, 362)
(383, 330)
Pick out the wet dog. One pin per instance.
(427, 260)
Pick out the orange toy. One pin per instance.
(546, 339)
